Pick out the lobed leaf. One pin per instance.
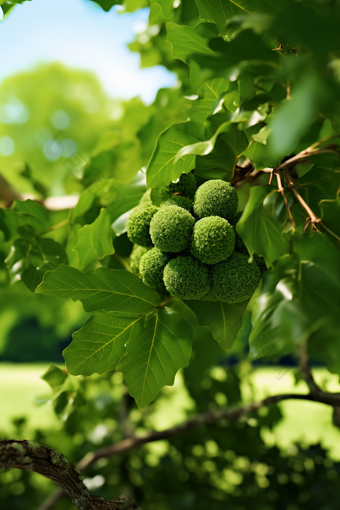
(94, 241)
(162, 168)
(299, 295)
(187, 40)
(100, 344)
(111, 290)
(220, 11)
(259, 228)
(30, 259)
(24, 219)
(155, 354)
(224, 320)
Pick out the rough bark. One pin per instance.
(50, 463)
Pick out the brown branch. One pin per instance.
(313, 218)
(207, 418)
(306, 370)
(282, 191)
(310, 151)
(165, 302)
(280, 48)
(51, 464)
(330, 231)
(7, 193)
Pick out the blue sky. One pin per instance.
(81, 35)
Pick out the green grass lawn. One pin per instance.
(20, 389)
(306, 422)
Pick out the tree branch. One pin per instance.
(306, 370)
(50, 463)
(7, 193)
(313, 218)
(282, 191)
(310, 151)
(207, 418)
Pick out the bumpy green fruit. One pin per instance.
(179, 201)
(171, 229)
(136, 254)
(186, 278)
(151, 269)
(216, 198)
(234, 280)
(213, 240)
(138, 224)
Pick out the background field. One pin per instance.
(23, 393)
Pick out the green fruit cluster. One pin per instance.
(195, 251)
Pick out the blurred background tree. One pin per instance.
(50, 104)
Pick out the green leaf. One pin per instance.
(188, 40)
(223, 319)
(29, 260)
(324, 343)
(246, 54)
(330, 214)
(160, 10)
(155, 355)
(95, 241)
(233, 143)
(159, 195)
(24, 219)
(259, 229)
(111, 290)
(202, 107)
(297, 296)
(107, 4)
(67, 392)
(84, 203)
(221, 161)
(219, 11)
(124, 197)
(54, 376)
(162, 168)
(294, 116)
(7, 7)
(100, 344)
(319, 184)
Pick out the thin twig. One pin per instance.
(282, 191)
(165, 302)
(307, 223)
(280, 48)
(310, 151)
(313, 218)
(324, 139)
(330, 231)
